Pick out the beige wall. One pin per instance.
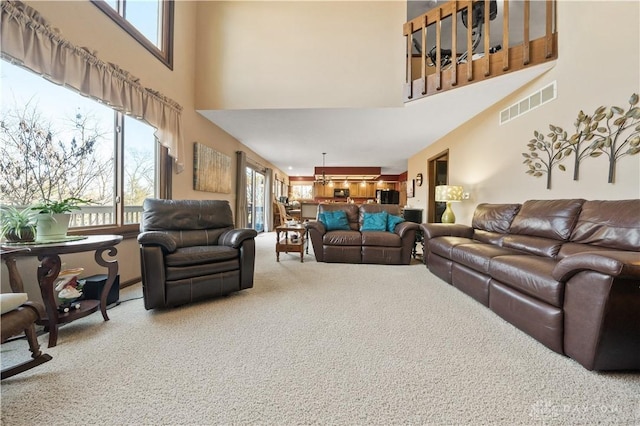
(85, 25)
(599, 54)
(299, 54)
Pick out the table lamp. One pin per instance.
(448, 194)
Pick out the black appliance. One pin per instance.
(340, 193)
(94, 284)
(388, 196)
(412, 215)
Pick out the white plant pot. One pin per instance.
(51, 227)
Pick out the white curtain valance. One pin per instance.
(29, 41)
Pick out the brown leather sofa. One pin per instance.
(566, 272)
(353, 246)
(189, 250)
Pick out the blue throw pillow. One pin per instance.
(374, 221)
(334, 220)
(392, 221)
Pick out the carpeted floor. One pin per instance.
(311, 343)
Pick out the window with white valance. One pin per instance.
(29, 41)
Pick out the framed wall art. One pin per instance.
(211, 170)
(410, 187)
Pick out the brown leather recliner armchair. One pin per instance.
(190, 250)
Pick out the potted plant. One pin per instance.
(17, 225)
(53, 217)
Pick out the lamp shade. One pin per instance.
(448, 193)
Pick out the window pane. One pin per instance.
(145, 16)
(139, 167)
(302, 192)
(55, 144)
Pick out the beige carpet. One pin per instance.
(311, 343)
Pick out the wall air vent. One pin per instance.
(541, 97)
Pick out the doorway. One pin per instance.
(255, 199)
(438, 175)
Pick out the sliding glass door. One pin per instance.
(255, 199)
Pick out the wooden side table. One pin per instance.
(295, 243)
(49, 256)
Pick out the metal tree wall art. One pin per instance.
(544, 154)
(613, 132)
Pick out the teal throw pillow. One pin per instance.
(392, 221)
(334, 220)
(374, 221)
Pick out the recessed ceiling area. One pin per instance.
(294, 139)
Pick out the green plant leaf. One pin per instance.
(599, 111)
(595, 154)
(561, 167)
(617, 110)
(633, 99)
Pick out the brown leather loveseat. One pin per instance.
(355, 246)
(566, 272)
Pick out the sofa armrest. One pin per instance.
(432, 230)
(235, 237)
(404, 227)
(158, 238)
(622, 264)
(317, 226)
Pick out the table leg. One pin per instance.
(112, 268)
(15, 279)
(47, 273)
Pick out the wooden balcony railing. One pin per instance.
(446, 66)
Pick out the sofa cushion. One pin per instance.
(612, 224)
(547, 218)
(174, 273)
(197, 255)
(160, 214)
(10, 301)
(342, 238)
(530, 275)
(352, 211)
(381, 239)
(478, 256)
(539, 246)
(334, 220)
(494, 217)
(442, 246)
(488, 237)
(392, 221)
(568, 249)
(374, 221)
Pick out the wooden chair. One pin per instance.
(282, 213)
(18, 320)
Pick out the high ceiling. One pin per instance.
(294, 139)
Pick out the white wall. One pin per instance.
(598, 64)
